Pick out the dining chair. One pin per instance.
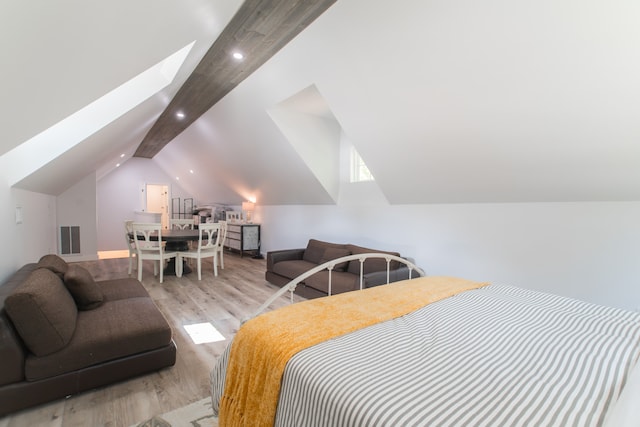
(131, 244)
(148, 241)
(181, 224)
(220, 243)
(209, 235)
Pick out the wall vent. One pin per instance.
(69, 240)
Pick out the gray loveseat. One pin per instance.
(62, 333)
(285, 265)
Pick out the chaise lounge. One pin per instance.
(62, 333)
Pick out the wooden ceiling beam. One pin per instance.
(259, 29)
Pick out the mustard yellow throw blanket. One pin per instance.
(263, 346)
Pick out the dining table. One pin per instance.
(176, 240)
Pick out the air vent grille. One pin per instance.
(69, 240)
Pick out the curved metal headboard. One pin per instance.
(330, 265)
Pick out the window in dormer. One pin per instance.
(359, 170)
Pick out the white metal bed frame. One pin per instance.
(330, 265)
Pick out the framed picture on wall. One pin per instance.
(233, 216)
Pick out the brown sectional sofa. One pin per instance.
(62, 333)
(285, 265)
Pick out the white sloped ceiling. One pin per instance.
(446, 101)
(60, 57)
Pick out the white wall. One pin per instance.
(100, 209)
(77, 207)
(589, 251)
(119, 196)
(34, 237)
(585, 250)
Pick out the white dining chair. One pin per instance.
(220, 242)
(181, 224)
(209, 234)
(131, 244)
(148, 241)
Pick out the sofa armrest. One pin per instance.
(283, 255)
(380, 277)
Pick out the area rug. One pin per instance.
(197, 414)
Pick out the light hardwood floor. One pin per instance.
(224, 301)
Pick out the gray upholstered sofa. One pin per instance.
(61, 333)
(285, 265)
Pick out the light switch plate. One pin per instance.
(18, 215)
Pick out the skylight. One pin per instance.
(52, 142)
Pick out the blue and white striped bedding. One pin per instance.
(496, 356)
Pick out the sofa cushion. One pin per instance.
(292, 269)
(84, 290)
(113, 330)
(12, 348)
(127, 287)
(335, 253)
(54, 263)
(370, 265)
(12, 353)
(315, 250)
(43, 312)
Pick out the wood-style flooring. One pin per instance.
(224, 301)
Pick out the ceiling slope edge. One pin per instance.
(34, 154)
(307, 123)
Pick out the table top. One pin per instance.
(176, 235)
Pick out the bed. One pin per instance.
(433, 351)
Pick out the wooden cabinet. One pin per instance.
(243, 237)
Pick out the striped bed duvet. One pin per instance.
(495, 356)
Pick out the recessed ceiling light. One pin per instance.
(122, 156)
(117, 165)
(238, 55)
(190, 170)
(180, 115)
(177, 178)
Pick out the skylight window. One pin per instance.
(359, 170)
(67, 133)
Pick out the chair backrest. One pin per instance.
(222, 233)
(128, 230)
(181, 224)
(209, 236)
(148, 237)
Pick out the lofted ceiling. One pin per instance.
(258, 30)
(446, 101)
(59, 58)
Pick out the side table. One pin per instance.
(243, 237)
